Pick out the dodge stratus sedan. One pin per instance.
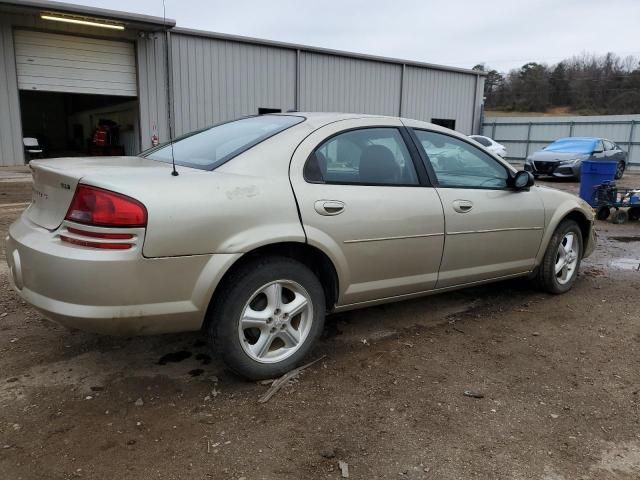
(275, 220)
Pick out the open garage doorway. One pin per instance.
(78, 95)
(74, 124)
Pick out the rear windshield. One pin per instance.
(573, 145)
(211, 147)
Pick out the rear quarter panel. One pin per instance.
(244, 204)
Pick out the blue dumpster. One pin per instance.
(593, 173)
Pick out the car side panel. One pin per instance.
(557, 206)
(388, 240)
(499, 236)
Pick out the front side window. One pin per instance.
(209, 148)
(368, 156)
(457, 163)
(609, 145)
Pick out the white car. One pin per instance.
(491, 145)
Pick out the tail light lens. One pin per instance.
(92, 244)
(104, 208)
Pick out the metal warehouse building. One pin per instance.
(64, 69)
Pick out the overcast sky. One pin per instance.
(504, 34)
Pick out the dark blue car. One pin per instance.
(563, 158)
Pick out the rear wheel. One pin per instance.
(559, 268)
(620, 170)
(267, 318)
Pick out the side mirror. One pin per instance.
(522, 180)
(598, 151)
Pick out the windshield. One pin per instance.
(573, 145)
(209, 148)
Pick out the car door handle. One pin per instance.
(329, 207)
(462, 206)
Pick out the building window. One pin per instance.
(265, 110)
(444, 122)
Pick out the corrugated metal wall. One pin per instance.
(11, 150)
(432, 94)
(217, 80)
(152, 85)
(524, 135)
(329, 83)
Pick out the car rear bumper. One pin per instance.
(117, 292)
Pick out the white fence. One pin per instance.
(525, 135)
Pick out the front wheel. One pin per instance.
(267, 317)
(559, 268)
(620, 170)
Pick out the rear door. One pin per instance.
(491, 231)
(363, 200)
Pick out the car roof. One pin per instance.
(569, 139)
(319, 119)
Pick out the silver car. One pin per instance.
(563, 158)
(273, 221)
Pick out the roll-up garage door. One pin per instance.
(65, 63)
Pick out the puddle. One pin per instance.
(625, 264)
(174, 357)
(203, 358)
(626, 239)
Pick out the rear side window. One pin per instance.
(368, 156)
(209, 148)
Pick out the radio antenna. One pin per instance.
(174, 172)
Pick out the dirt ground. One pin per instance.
(560, 378)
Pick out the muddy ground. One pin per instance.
(560, 377)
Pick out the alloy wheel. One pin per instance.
(566, 258)
(276, 321)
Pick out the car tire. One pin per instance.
(603, 213)
(250, 324)
(548, 276)
(620, 217)
(620, 170)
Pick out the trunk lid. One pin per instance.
(55, 181)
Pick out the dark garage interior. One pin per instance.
(74, 124)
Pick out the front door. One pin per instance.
(491, 231)
(363, 201)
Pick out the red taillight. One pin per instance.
(109, 236)
(87, 243)
(95, 206)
